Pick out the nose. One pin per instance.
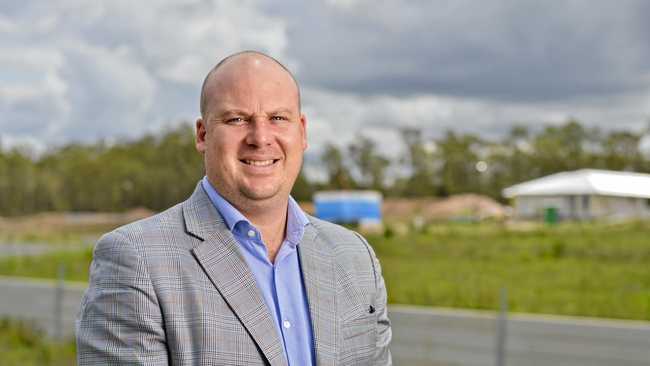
(259, 133)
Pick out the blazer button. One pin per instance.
(371, 309)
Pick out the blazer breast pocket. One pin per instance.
(359, 325)
(359, 336)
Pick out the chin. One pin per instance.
(258, 194)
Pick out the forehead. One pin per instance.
(251, 81)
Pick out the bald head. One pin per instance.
(248, 62)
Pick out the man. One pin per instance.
(237, 274)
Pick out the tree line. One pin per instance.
(159, 171)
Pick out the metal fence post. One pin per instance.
(502, 322)
(58, 304)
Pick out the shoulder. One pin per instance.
(148, 231)
(341, 238)
(350, 248)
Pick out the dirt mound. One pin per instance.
(462, 206)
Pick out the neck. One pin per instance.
(271, 221)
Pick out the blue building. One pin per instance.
(349, 207)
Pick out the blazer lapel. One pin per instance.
(220, 258)
(320, 282)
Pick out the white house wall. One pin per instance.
(620, 207)
(534, 206)
(582, 207)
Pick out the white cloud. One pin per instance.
(200, 34)
(79, 70)
(339, 117)
(32, 92)
(109, 91)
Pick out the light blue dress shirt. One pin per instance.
(281, 282)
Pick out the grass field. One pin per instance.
(22, 345)
(600, 270)
(49, 234)
(75, 265)
(594, 270)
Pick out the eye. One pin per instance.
(235, 121)
(279, 118)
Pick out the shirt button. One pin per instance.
(251, 233)
(287, 324)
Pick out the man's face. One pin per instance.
(253, 136)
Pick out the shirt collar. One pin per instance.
(296, 222)
(227, 211)
(296, 218)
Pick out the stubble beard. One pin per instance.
(252, 194)
(277, 193)
(244, 195)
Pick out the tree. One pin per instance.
(621, 151)
(458, 154)
(561, 148)
(338, 175)
(371, 165)
(302, 190)
(420, 161)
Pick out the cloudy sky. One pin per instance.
(87, 70)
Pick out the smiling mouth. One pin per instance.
(259, 162)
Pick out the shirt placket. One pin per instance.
(287, 323)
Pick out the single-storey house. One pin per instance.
(583, 194)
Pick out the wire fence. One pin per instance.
(421, 335)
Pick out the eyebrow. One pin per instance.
(236, 111)
(281, 111)
(233, 111)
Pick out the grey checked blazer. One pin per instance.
(174, 289)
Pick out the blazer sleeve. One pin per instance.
(382, 355)
(119, 321)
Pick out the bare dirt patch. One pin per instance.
(462, 206)
(61, 226)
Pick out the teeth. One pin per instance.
(259, 162)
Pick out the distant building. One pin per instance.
(349, 207)
(583, 194)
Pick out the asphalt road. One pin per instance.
(421, 336)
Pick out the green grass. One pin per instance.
(75, 265)
(588, 270)
(23, 345)
(52, 236)
(600, 270)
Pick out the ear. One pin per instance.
(201, 132)
(303, 127)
